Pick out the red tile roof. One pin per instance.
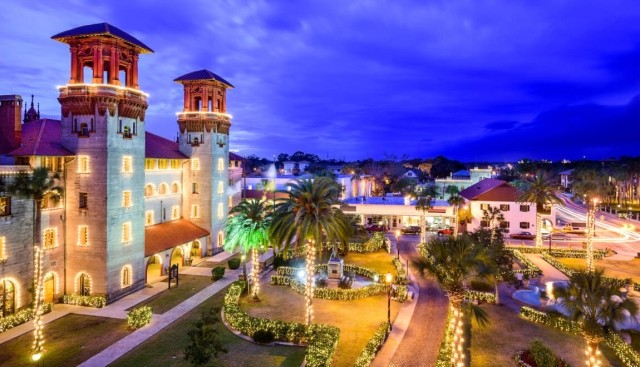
(164, 236)
(235, 157)
(491, 189)
(41, 137)
(158, 147)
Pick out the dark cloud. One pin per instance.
(500, 125)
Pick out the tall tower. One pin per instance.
(103, 124)
(204, 137)
(10, 127)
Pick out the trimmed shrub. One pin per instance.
(373, 346)
(234, 263)
(263, 336)
(478, 285)
(21, 317)
(217, 273)
(139, 317)
(541, 354)
(90, 301)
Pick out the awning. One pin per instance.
(164, 236)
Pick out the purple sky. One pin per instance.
(495, 80)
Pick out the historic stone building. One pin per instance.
(133, 202)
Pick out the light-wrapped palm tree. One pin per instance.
(452, 262)
(456, 202)
(493, 216)
(248, 229)
(590, 185)
(309, 216)
(598, 304)
(423, 204)
(539, 190)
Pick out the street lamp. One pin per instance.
(388, 278)
(398, 242)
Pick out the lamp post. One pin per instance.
(388, 279)
(398, 242)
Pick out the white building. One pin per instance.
(462, 179)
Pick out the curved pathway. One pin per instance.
(421, 341)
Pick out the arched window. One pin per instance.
(175, 188)
(126, 133)
(162, 189)
(148, 190)
(7, 298)
(84, 284)
(220, 239)
(126, 276)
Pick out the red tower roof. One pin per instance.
(202, 75)
(102, 29)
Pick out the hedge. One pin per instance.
(402, 272)
(530, 269)
(139, 317)
(321, 340)
(559, 252)
(445, 352)
(373, 346)
(21, 317)
(619, 283)
(90, 301)
(471, 295)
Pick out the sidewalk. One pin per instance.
(550, 273)
(158, 322)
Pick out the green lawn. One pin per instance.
(69, 341)
(613, 268)
(379, 261)
(169, 298)
(167, 347)
(496, 344)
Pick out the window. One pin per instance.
(195, 164)
(220, 239)
(175, 164)
(127, 164)
(3, 248)
(148, 218)
(162, 189)
(149, 164)
(126, 199)
(175, 212)
(220, 164)
(162, 164)
(524, 208)
(230, 202)
(126, 276)
(49, 239)
(83, 200)
(5, 206)
(195, 211)
(83, 235)
(148, 190)
(84, 284)
(175, 188)
(484, 206)
(84, 130)
(504, 207)
(126, 232)
(83, 164)
(504, 224)
(7, 298)
(524, 225)
(220, 188)
(195, 188)
(126, 132)
(220, 211)
(484, 223)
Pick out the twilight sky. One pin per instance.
(469, 79)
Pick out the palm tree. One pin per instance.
(452, 262)
(598, 305)
(455, 201)
(590, 185)
(493, 216)
(248, 228)
(423, 204)
(306, 218)
(540, 191)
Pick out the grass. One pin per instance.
(613, 268)
(69, 341)
(379, 261)
(167, 347)
(496, 344)
(169, 298)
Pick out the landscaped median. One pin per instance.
(568, 271)
(321, 340)
(21, 317)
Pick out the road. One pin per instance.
(421, 342)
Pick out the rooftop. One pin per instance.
(102, 29)
(203, 74)
(158, 147)
(491, 189)
(41, 137)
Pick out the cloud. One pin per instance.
(501, 125)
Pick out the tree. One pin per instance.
(539, 190)
(452, 262)
(493, 217)
(306, 218)
(589, 185)
(423, 204)
(443, 167)
(404, 185)
(204, 340)
(248, 228)
(495, 248)
(452, 190)
(456, 202)
(598, 304)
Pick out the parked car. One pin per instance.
(523, 236)
(376, 228)
(445, 232)
(410, 230)
(555, 236)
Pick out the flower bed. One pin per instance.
(21, 317)
(139, 317)
(524, 359)
(530, 269)
(623, 351)
(373, 346)
(90, 301)
(322, 340)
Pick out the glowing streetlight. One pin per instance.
(398, 242)
(388, 278)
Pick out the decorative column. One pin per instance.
(187, 99)
(134, 79)
(74, 65)
(113, 66)
(97, 65)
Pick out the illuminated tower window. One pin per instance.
(126, 232)
(195, 211)
(49, 238)
(126, 276)
(3, 248)
(126, 199)
(220, 211)
(148, 218)
(220, 188)
(195, 164)
(83, 235)
(127, 164)
(83, 164)
(195, 188)
(220, 164)
(175, 212)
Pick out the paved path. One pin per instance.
(158, 322)
(421, 341)
(550, 273)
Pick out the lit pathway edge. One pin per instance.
(158, 323)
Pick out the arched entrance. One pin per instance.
(49, 287)
(177, 257)
(154, 268)
(7, 298)
(196, 250)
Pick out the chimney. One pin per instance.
(10, 127)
